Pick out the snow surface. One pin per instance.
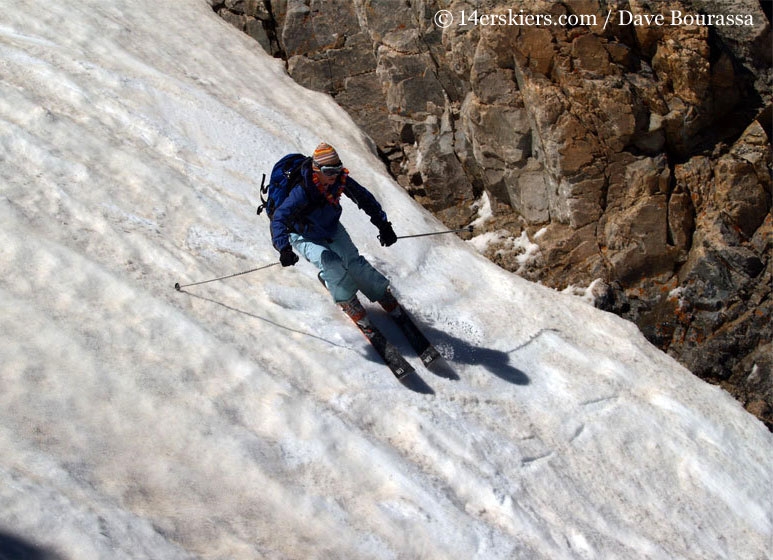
(248, 418)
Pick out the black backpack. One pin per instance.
(284, 176)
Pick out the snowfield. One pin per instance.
(248, 418)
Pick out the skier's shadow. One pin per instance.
(461, 351)
(454, 351)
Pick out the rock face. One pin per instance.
(639, 152)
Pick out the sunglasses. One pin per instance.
(331, 170)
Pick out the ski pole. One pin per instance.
(178, 287)
(468, 228)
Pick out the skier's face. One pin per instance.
(325, 179)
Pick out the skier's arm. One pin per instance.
(366, 202)
(286, 215)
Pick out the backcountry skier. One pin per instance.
(308, 221)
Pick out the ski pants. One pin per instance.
(341, 266)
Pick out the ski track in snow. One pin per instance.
(248, 418)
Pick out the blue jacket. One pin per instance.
(308, 212)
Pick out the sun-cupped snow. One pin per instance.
(248, 418)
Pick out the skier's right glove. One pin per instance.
(386, 235)
(287, 257)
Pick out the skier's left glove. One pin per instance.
(386, 234)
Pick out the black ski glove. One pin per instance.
(386, 234)
(287, 257)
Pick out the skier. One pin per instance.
(308, 221)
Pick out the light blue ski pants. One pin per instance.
(343, 269)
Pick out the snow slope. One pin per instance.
(247, 418)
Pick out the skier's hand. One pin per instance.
(287, 257)
(386, 235)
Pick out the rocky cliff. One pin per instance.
(630, 140)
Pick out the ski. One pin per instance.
(423, 347)
(428, 354)
(388, 351)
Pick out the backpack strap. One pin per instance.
(263, 192)
(293, 174)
